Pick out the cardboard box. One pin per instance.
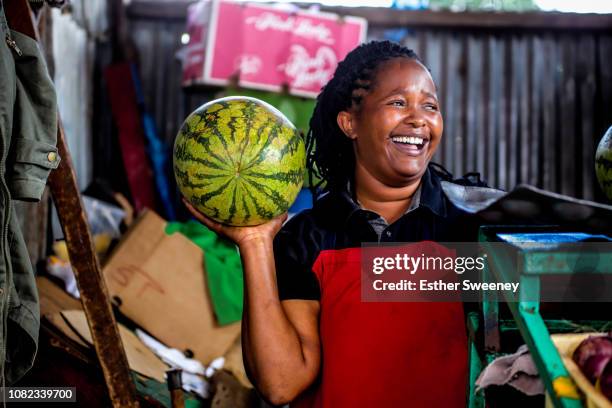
(159, 282)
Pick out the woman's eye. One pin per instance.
(431, 106)
(397, 103)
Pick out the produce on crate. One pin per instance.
(594, 357)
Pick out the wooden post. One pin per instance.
(94, 294)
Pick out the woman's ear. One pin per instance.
(346, 123)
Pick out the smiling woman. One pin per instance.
(307, 336)
(395, 130)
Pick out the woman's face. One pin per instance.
(398, 125)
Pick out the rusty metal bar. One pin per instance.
(85, 264)
(88, 273)
(176, 388)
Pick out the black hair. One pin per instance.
(330, 156)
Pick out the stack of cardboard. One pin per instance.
(159, 282)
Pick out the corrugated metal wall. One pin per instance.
(523, 106)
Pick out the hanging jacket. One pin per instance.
(28, 131)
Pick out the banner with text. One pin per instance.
(262, 47)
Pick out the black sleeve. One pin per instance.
(295, 251)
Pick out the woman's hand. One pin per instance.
(240, 235)
(280, 341)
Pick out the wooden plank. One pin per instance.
(86, 267)
(603, 95)
(433, 60)
(471, 107)
(536, 77)
(411, 40)
(504, 112)
(548, 115)
(489, 155)
(478, 104)
(471, 67)
(454, 106)
(567, 120)
(493, 106)
(447, 106)
(514, 79)
(462, 147)
(174, 77)
(585, 77)
(423, 37)
(605, 84)
(521, 67)
(382, 16)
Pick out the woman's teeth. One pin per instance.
(408, 140)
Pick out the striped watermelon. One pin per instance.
(239, 161)
(603, 163)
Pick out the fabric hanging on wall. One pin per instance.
(73, 76)
(74, 36)
(91, 15)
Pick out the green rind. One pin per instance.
(239, 161)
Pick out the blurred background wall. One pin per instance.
(525, 96)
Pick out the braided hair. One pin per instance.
(330, 156)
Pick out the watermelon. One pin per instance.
(239, 161)
(603, 163)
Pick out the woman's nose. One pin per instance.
(414, 119)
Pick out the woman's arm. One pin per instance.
(280, 340)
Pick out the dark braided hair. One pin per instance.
(330, 156)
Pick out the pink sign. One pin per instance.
(265, 48)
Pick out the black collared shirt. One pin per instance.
(337, 222)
